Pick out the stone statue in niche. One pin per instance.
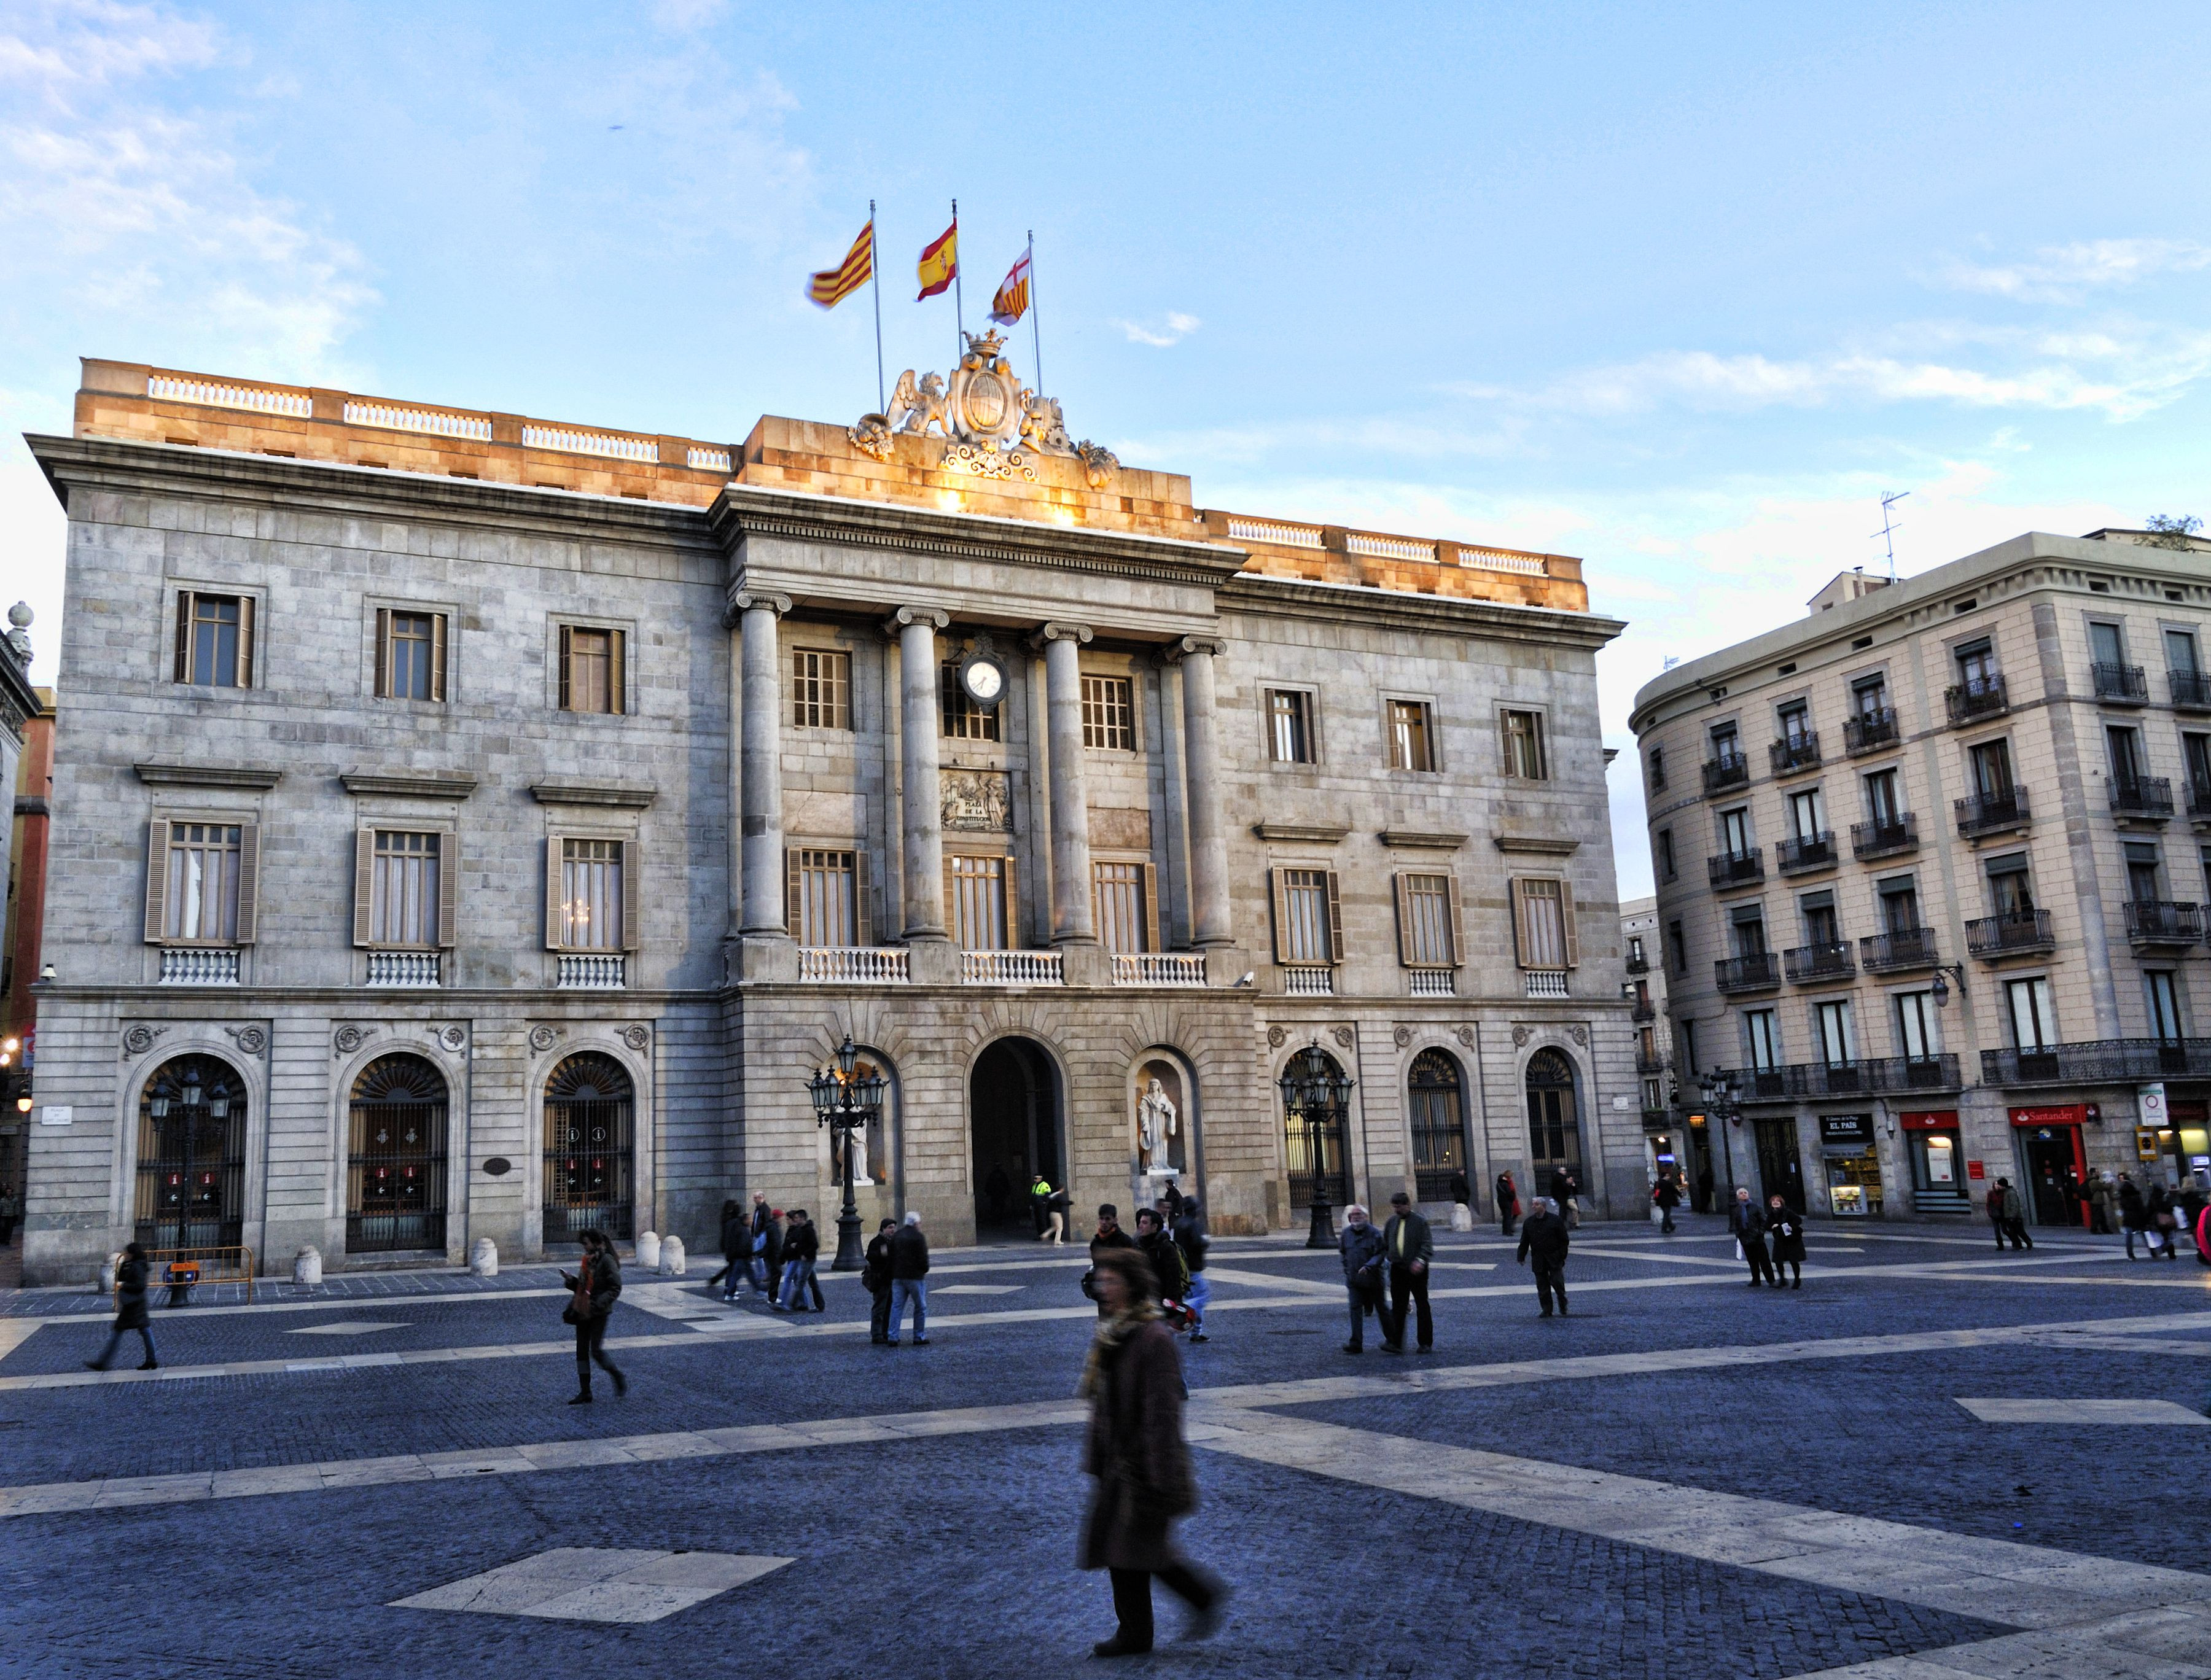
(1161, 1151)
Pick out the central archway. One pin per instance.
(1016, 1130)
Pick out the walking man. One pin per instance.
(760, 1223)
(1544, 1239)
(909, 1281)
(802, 1245)
(597, 1283)
(1746, 1220)
(737, 1251)
(1360, 1246)
(1508, 1203)
(2008, 1216)
(1668, 1195)
(1410, 1247)
(1159, 1247)
(1190, 1237)
(876, 1275)
(2134, 1213)
(129, 1310)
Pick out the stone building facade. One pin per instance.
(1931, 864)
(468, 825)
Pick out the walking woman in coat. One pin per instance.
(596, 1282)
(1132, 1381)
(1785, 1225)
(2134, 1214)
(1508, 1203)
(129, 1310)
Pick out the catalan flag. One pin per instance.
(940, 262)
(1013, 299)
(833, 286)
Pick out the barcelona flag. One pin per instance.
(1013, 299)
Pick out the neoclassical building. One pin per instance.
(467, 825)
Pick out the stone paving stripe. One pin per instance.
(598, 1583)
(355, 1328)
(2083, 1410)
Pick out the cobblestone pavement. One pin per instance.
(1686, 1478)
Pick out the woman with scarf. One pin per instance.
(1132, 1381)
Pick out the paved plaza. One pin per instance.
(1932, 1462)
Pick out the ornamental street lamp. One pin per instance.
(1720, 1104)
(846, 1102)
(1318, 1093)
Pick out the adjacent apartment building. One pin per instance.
(1931, 867)
(472, 825)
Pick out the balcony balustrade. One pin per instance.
(405, 968)
(1814, 965)
(2152, 922)
(853, 964)
(1992, 814)
(591, 972)
(2120, 685)
(1309, 982)
(1975, 699)
(2099, 1062)
(2145, 798)
(2013, 933)
(1432, 982)
(1793, 752)
(1545, 983)
(1161, 968)
(1638, 964)
(1878, 839)
(1642, 1012)
(1755, 973)
(1729, 769)
(1805, 853)
(1815, 1081)
(1870, 731)
(1650, 1062)
(1904, 948)
(2192, 689)
(198, 965)
(1011, 968)
(1736, 868)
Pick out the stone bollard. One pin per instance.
(307, 1265)
(104, 1284)
(1461, 1217)
(483, 1258)
(671, 1257)
(648, 1251)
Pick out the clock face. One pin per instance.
(985, 681)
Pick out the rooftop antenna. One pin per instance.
(1890, 526)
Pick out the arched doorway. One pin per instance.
(591, 1128)
(1013, 1121)
(1433, 1091)
(1554, 1131)
(1301, 1138)
(396, 1157)
(192, 1156)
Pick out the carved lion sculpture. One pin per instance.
(915, 407)
(1042, 426)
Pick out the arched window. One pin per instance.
(396, 1159)
(1303, 1140)
(192, 1156)
(589, 1141)
(1555, 1133)
(1439, 1131)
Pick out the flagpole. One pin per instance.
(958, 309)
(876, 286)
(1036, 333)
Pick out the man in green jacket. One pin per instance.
(1407, 1248)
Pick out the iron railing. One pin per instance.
(2120, 685)
(1735, 868)
(1729, 769)
(2199, 802)
(1746, 974)
(1885, 839)
(1904, 948)
(1816, 1081)
(1869, 731)
(2146, 796)
(1992, 814)
(2192, 689)
(2152, 921)
(1638, 965)
(2101, 1061)
(1795, 752)
(1806, 852)
(1810, 963)
(2010, 933)
(1976, 698)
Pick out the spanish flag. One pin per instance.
(1013, 299)
(940, 262)
(833, 286)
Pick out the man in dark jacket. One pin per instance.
(773, 1254)
(802, 1246)
(1158, 1247)
(1668, 1195)
(1109, 1234)
(1190, 1236)
(1564, 1187)
(2007, 1217)
(1747, 1223)
(1704, 1200)
(876, 1275)
(1410, 1247)
(737, 1251)
(761, 1212)
(909, 1281)
(2134, 1213)
(129, 1310)
(1544, 1237)
(1360, 1245)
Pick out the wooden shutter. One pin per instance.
(1274, 892)
(951, 901)
(364, 884)
(449, 888)
(631, 893)
(617, 695)
(437, 656)
(157, 879)
(552, 853)
(1335, 921)
(567, 640)
(1566, 919)
(1149, 882)
(1457, 920)
(1403, 886)
(245, 673)
(249, 881)
(1015, 934)
(864, 915)
(1520, 923)
(382, 690)
(183, 636)
(794, 894)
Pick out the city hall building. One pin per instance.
(468, 825)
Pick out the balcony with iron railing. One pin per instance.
(1793, 752)
(1814, 1081)
(2143, 798)
(2199, 802)
(1870, 731)
(2155, 924)
(1805, 853)
(1900, 833)
(1977, 699)
(1736, 868)
(1642, 1012)
(1815, 964)
(1759, 972)
(2192, 689)
(2099, 1062)
(2120, 685)
(2012, 934)
(1902, 948)
(1727, 770)
(1638, 964)
(1992, 814)
(1650, 1062)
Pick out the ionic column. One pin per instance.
(761, 760)
(923, 826)
(1209, 838)
(1072, 922)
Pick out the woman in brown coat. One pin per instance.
(1133, 1381)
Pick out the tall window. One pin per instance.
(1795, 724)
(2195, 753)
(410, 654)
(1869, 695)
(829, 907)
(1656, 761)
(1635, 948)
(1122, 911)
(1881, 802)
(1821, 925)
(403, 891)
(1543, 918)
(1749, 929)
(1523, 745)
(215, 639)
(1807, 814)
(396, 1163)
(1726, 743)
(201, 877)
(2124, 747)
(1838, 1033)
(1735, 831)
(2180, 652)
(1899, 905)
(2010, 887)
(2105, 646)
(978, 901)
(1439, 1135)
(1109, 713)
(1677, 947)
(1426, 921)
(590, 1143)
(1764, 1033)
(963, 719)
(1992, 764)
(1409, 748)
(1555, 1133)
(2164, 1004)
(1306, 916)
(1685, 1046)
(2033, 1017)
(1977, 666)
(2142, 887)
(1915, 1024)
(821, 689)
(591, 670)
(591, 895)
(1289, 726)
(1666, 854)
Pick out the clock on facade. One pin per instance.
(983, 679)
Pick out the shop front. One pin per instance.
(1937, 1162)
(1851, 1164)
(1780, 1171)
(2172, 1139)
(2052, 1164)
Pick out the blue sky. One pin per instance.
(1681, 290)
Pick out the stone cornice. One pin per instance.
(1451, 615)
(1538, 845)
(209, 776)
(625, 795)
(1309, 834)
(401, 785)
(1425, 839)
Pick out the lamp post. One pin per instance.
(846, 1102)
(1942, 988)
(1318, 1093)
(1720, 1104)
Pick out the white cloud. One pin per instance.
(2064, 273)
(1178, 328)
(55, 47)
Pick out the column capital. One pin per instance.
(1183, 646)
(934, 616)
(741, 601)
(1055, 629)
